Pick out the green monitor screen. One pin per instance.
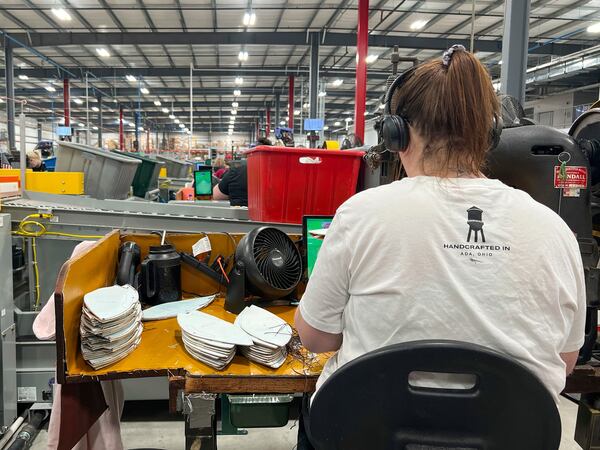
(313, 229)
(203, 180)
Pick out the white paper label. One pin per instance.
(3, 312)
(9, 187)
(202, 246)
(27, 394)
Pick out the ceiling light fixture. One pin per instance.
(348, 119)
(23, 77)
(101, 51)
(239, 81)
(326, 127)
(237, 93)
(282, 122)
(594, 28)
(61, 14)
(371, 59)
(418, 25)
(94, 128)
(157, 103)
(181, 125)
(296, 113)
(176, 121)
(243, 56)
(337, 82)
(50, 88)
(130, 78)
(95, 109)
(78, 101)
(305, 106)
(172, 116)
(233, 112)
(235, 104)
(249, 18)
(322, 93)
(81, 124)
(165, 110)
(144, 91)
(337, 124)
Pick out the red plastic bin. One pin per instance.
(286, 183)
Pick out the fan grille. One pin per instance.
(277, 258)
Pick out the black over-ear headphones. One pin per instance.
(394, 128)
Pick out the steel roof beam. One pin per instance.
(133, 92)
(120, 72)
(185, 105)
(271, 38)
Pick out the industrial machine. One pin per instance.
(556, 170)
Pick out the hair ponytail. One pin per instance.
(451, 103)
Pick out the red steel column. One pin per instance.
(268, 125)
(291, 103)
(67, 102)
(362, 47)
(121, 136)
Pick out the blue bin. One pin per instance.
(50, 163)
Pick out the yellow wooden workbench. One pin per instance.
(161, 351)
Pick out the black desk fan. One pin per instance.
(267, 264)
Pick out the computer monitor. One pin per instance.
(63, 131)
(314, 229)
(313, 124)
(203, 180)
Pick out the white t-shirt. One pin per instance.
(464, 259)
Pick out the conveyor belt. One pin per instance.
(91, 216)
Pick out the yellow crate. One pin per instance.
(50, 182)
(163, 172)
(332, 145)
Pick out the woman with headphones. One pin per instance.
(446, 253)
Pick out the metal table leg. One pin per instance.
(200, 421)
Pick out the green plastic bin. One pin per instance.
(146, 176)
(259, 411)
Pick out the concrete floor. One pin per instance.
(168, 434)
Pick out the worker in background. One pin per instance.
(220, 168)
(446, 253)
(34, 161)
(234, 185)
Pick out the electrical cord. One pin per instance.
(25, 230)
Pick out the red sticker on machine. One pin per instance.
(575, 177)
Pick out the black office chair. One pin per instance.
(369, 404)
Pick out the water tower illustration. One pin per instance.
(475, 222)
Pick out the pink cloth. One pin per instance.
(105, 434)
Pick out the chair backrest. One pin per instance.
(370, 404)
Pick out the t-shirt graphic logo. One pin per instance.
(475, 222)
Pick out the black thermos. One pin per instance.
(161, 275)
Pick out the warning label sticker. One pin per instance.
(575, 177)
